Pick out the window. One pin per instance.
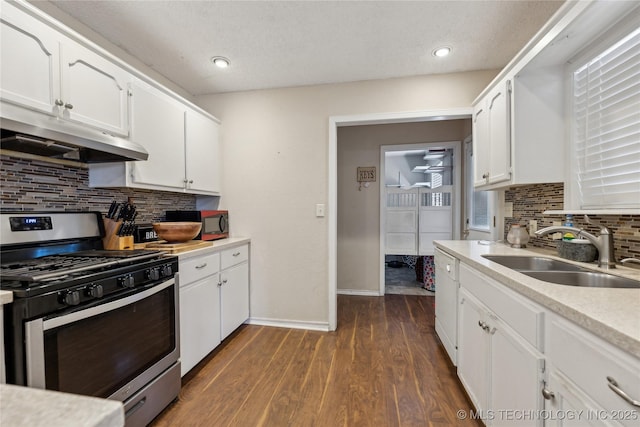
(606, 126)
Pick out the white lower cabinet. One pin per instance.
(234, 289)
(199, 321)
(501, 370)
(590, 382)
(214, 300)
(447, 302)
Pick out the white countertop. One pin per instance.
(32, 407)
(6, 297)
(611, 313)
(218, 245)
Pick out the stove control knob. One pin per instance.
(71, 298)
(126, 281)
(95, 291)
(166, 270)
(153, 274)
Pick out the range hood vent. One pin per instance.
(81, 146)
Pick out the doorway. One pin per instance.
(336, 122)
(420, 201)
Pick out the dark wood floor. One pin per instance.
(384, 366)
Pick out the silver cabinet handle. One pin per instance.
(485, 175)
(68, 106)
(224, 281)
(613, 385)
(548, 394)
(484, 326)
(201, 266)
(59, 102)
(219, 284)
(448, 268)
(190, 181)
(236, 254)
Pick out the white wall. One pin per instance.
(275, 165)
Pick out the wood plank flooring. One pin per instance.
(384, 366)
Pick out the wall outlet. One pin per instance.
(533, 227)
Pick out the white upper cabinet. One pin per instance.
(202, 158)
(94, 90)
(492, 136)
(29, 62)
(182, 144)
(44, 71)
(157, 124)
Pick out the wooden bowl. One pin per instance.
(176, 232)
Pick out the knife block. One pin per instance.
(111, 240)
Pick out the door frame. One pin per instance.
(458, 187)
(332, 178)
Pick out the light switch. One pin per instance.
(320, 210)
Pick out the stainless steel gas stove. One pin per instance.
(86, 320)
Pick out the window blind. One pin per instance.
(606, 110)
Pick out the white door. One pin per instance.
(401, 224)
(202, 153)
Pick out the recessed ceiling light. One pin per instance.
(220, 61)
(442, 51)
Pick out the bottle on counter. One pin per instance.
(568, 222)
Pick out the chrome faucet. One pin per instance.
(603, 242)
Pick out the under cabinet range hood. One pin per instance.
(85, 147)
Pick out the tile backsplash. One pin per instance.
(530, 201)
(30, 185)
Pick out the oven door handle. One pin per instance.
(34, 330)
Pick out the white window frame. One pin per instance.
(572, 194)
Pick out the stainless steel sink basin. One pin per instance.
(533, 263)
(584, 278)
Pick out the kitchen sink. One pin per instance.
(590, 279)
(533, 263)
(560, 272)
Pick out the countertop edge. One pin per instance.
(524, 285)
(6, 297)
(218, 245)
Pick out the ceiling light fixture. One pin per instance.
(220, 61)
(442, 51)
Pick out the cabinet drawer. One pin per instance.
(588, 360)
(197, 268)
(234, 256)
(523, 316)
(447, 263)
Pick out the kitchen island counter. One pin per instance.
(32, 407)
(613, 314)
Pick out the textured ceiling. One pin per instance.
(292, 43)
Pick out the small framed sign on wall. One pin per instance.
(366, 175)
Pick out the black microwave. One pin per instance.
(215, 224)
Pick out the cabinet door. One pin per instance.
(94, 90)
(199, 321)
(234, 297)
(29, 62)
(481, 144)
(473, 349)
(569, 400)
(511, 358)
(446, 303)
(157, 123)
(202, 153)
(500, 133)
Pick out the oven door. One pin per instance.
(110, 350)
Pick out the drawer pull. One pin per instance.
(613, 385)
(224, 281)
(201, 266)
(548, 394)
(236, 254)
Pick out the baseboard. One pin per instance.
(291, 324)
(359, 292)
